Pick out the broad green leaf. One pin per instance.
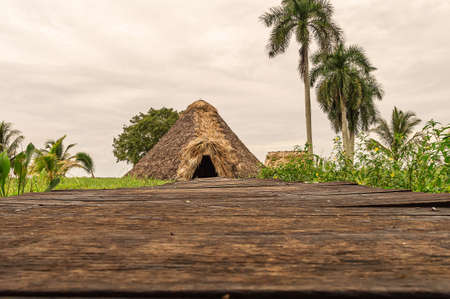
(53, 184)
(5, 168)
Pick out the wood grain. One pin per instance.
(213, 237)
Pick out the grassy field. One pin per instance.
(89, 183)
(107, 183)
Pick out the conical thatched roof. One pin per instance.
(199, 133)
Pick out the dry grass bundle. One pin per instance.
(211, 142)
(221, 154)
(275, 159)
(201, 106)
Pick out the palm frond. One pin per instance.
(280, 38)
(345, 73)
(309, 18)
(10, 139)
(358, 59)
(384, 132)
(66, 154)
(273, 15)
(85, 160)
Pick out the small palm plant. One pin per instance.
(56, 161)
(10, 139)
(394, 138)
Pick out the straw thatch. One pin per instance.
(199, 132)
(275, 159)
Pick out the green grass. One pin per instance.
(107, 183)
(40, 184)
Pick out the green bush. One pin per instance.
(423, 165)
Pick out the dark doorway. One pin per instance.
(205, 169)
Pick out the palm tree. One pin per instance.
(345, 89)
(309, 20)
(56, 160)
(362, 112)
(394, 137)
(361, 109)
(10, 139)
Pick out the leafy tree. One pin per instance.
(10, 139)
(143, 133)
(345, 90)
(308, 20)
(394, 138)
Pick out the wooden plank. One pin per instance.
(244, 240)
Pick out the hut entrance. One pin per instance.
(205, 169)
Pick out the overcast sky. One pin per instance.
(84, 68)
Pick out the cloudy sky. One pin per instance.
(84, 68)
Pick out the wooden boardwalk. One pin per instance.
(220, 238)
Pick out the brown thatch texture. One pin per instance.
(275, 159)
(199, 131)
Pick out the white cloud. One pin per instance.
(83, 68)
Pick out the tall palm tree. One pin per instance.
(10, 139)
(309, 20)
(395, 137)
(361, 109)
(345, 89)
(57, 161)
(362, 112)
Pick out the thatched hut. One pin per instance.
(275, 159)
(200, 144)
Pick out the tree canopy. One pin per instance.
(143, 133)
(345, 90)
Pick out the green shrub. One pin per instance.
(423, 164)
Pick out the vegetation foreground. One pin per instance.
(420, 164)
(396, 160)
(77, 183)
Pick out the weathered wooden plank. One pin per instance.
(243, 240)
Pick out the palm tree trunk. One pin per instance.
(352, 143)
(345, 130)
(307, 82)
